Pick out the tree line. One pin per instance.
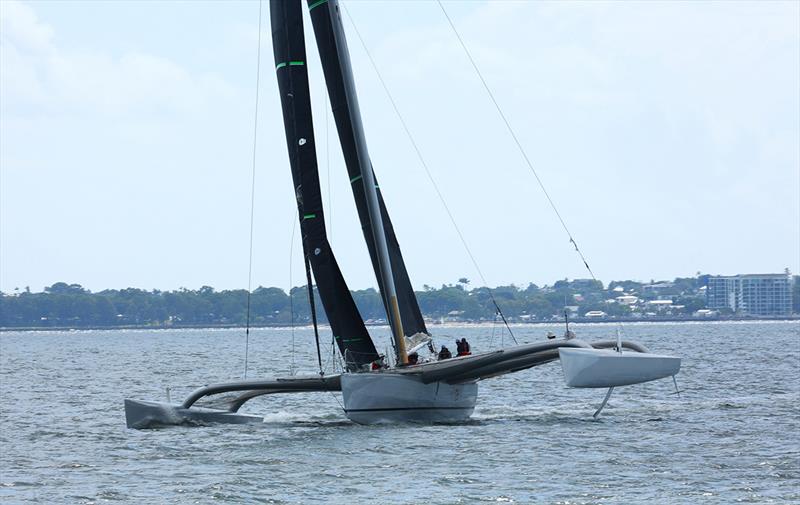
(71, 305)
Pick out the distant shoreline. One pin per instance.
(515, 324)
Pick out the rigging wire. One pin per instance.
(252, 197)
(330, 200)
(328, 166)
(313, 309)
(494, 328)
(427, 171)
(516, 140)
(291, 296)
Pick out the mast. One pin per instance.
(383, 251)
(335, 58)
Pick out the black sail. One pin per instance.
(290, 64)
(332, 45)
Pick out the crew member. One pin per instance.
(463, 347)
(413, 358)
(445, 353)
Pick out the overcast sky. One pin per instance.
(667, 133)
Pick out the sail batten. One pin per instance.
(326, 20)
(290, 55)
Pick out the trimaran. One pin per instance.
(430, 390)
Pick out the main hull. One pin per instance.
(379, 397)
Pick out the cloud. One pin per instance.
(21, 27)
(40, 77)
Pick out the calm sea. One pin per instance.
(733, 435)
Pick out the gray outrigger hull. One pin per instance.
(142, 414)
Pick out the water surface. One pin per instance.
(732, 436)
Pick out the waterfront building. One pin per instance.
(721, 292)
(751, 294)
(705, 313)
(627, 300)
(659, 305)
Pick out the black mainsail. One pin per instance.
(288, 44)
(332, 45)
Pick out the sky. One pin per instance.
(667, 134)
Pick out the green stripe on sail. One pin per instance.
(309, 216)
(316, 4)
(289, 63)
